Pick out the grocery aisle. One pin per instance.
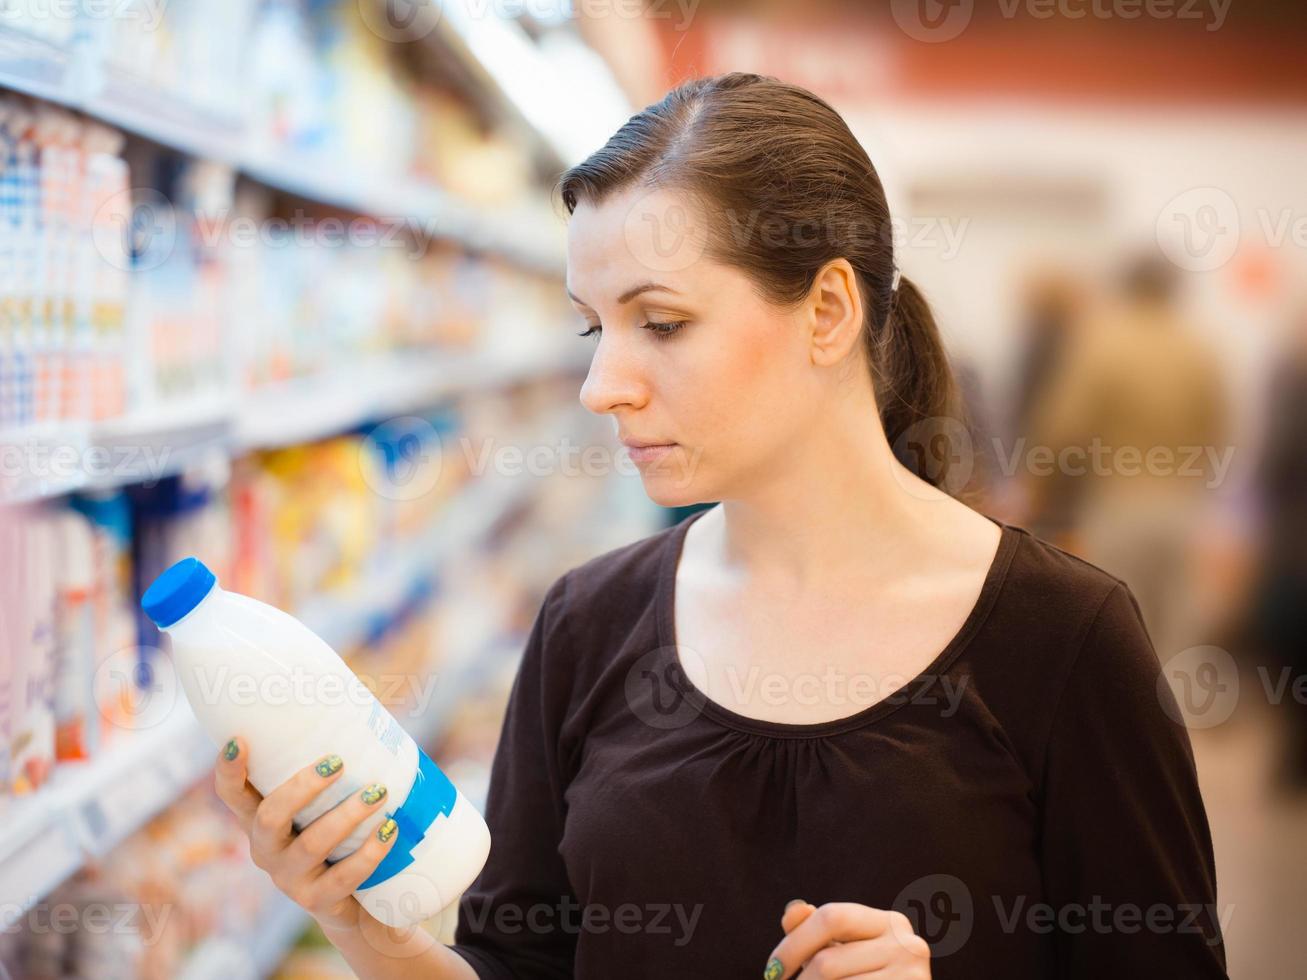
(281, 289)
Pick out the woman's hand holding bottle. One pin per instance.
(296, 861)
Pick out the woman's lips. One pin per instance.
(649, 454)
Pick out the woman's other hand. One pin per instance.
(847, 940)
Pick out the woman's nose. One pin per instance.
(614, 380)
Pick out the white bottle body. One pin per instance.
(252, 670)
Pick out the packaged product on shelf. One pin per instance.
(190, 51)
(19, 203)
(177, 311)
(180, 515)
(318, 519)
(109, 517)
(76, 718)
(10, 647)
(400, 656)
(182, 879)
(102, 276)
(326, 90)
(52, 314)
(282, 72)
(366, 95)
(62, 295)
(33, 744)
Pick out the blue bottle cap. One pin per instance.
(177, 591)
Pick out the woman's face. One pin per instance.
(731, 390)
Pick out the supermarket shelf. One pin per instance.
(281, 923)
(33, 65)
(63, 75)
(64, 457)
(131, 104)
(531, 239)
(89, 808)
(468, 517)
(467, 676)
(302, 411)
(143, 448)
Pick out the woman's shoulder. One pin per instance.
(622, 576)
(1046, 583)
(1059, 614)
(1065, 639)
(608, 595)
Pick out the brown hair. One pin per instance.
(751, 145)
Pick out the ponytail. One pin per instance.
(915, 386)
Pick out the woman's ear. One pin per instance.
(834, 312)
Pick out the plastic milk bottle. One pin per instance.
(237, 659)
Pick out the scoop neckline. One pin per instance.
(665, 603)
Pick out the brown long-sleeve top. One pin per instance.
(1030, 800)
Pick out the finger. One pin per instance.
(312, 845)
(845, 960)
(273, 819)
(230, 783)
(796, 912)
(348, 873)
(833, 921)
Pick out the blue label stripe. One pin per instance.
(432, 794)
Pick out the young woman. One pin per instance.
(943, 738)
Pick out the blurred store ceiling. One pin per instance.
(1107, 51)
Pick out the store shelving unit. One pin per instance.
(305, 410)
(152, 445)
(72, 76)
(34, 65)
(89, 808)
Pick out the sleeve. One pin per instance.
(1125, 846)
(508, 917)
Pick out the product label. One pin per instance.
(386, 729)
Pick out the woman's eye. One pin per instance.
(665, 329)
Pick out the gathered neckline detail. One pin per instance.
(665, 611)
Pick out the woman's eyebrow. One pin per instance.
(630, 294)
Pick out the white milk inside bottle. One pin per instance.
(250, 669)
